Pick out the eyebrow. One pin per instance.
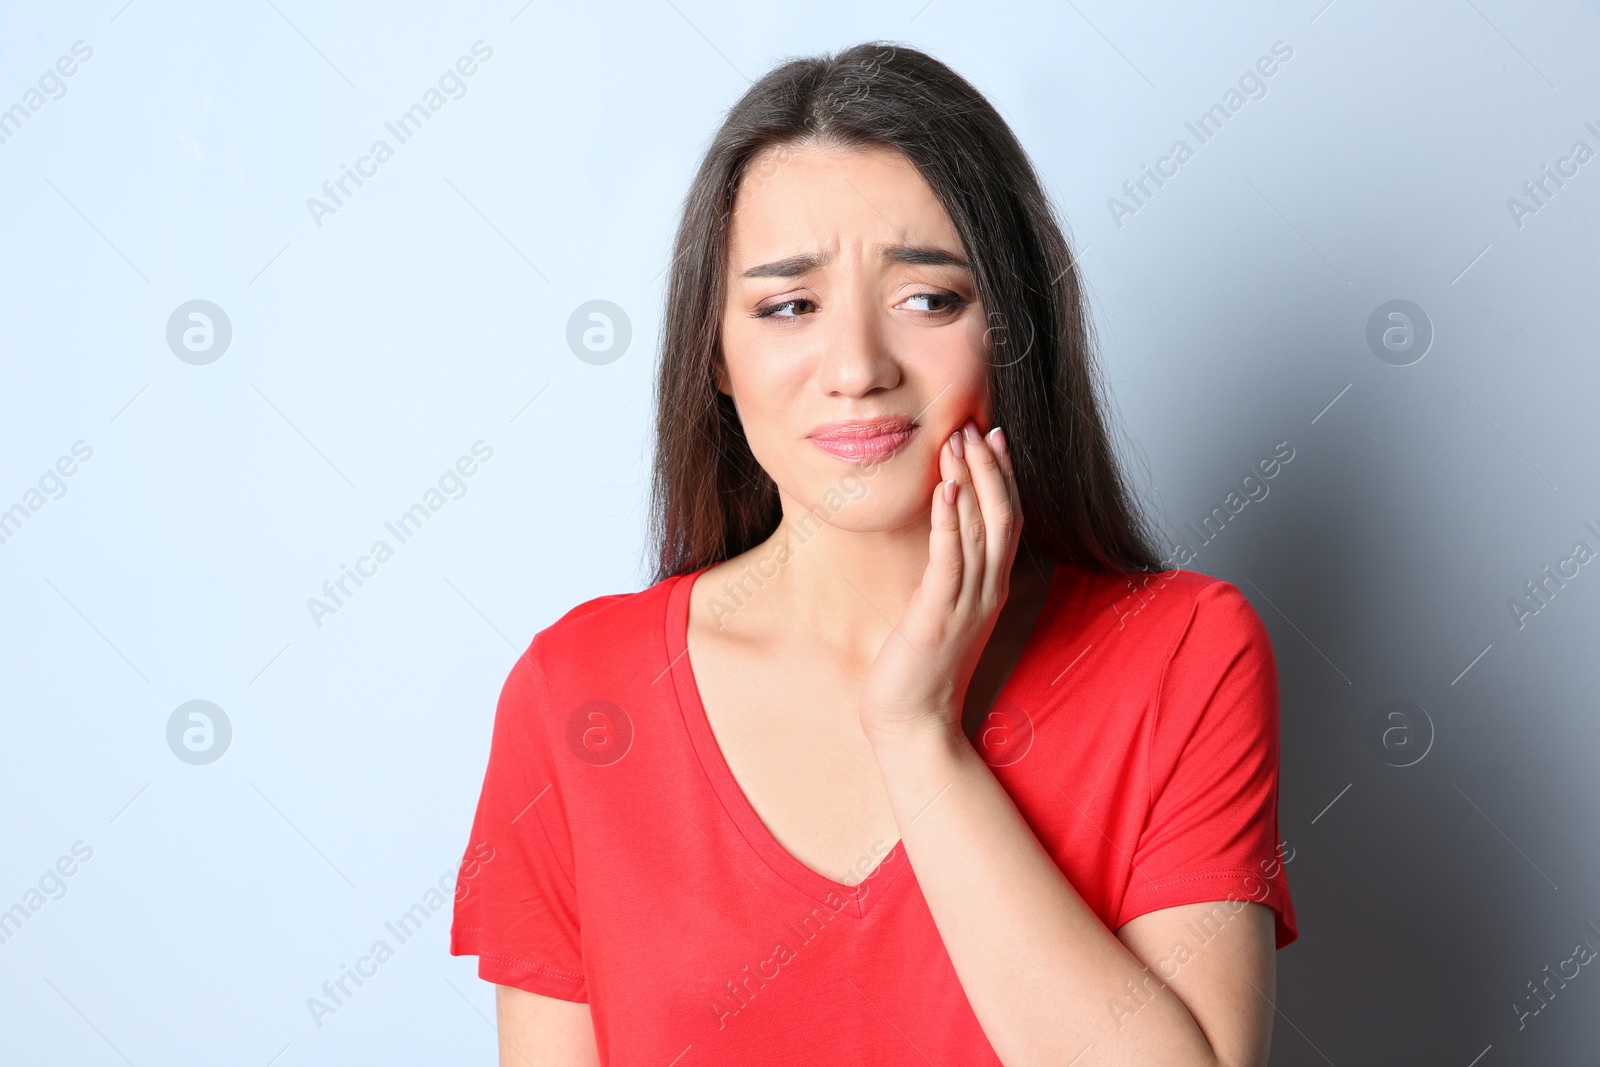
(794, 266)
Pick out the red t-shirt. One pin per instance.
(614, 859)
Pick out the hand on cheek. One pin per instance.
(918, 682)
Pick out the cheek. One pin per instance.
(957, 373)
(988, 339)
(764, 390)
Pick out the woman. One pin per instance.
(913, 753)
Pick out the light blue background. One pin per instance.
(372, 351)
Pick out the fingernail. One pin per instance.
(950, 491)
(955, 443)
(971, 430)
(997, 441)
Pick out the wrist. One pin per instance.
(921, 743)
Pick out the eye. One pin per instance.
(772, 310)
(950, 301)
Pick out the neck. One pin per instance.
(844, 590)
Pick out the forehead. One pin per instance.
(797, 198)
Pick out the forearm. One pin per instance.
(1038, 966)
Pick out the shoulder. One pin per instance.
(1163, 605)
(596, 650)
(1185, 656)
(1216, 659)
(604, 636)
(1136, 633)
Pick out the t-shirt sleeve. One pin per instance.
(516, 905)
(1212, 828)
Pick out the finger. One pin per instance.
(999, 520)
(973, 532)
(945, 566)
(1000, 444)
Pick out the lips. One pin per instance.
(864, 440)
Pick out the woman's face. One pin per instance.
(849, 301)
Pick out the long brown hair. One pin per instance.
(710, 499)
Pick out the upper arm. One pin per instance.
(1227, 982)
(516, 900)
(540, 1031)
(1210, 832)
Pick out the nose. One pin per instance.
(856, 357)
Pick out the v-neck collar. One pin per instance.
(858, 899)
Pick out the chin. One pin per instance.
(869, 500)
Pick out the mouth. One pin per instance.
(864, 440)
